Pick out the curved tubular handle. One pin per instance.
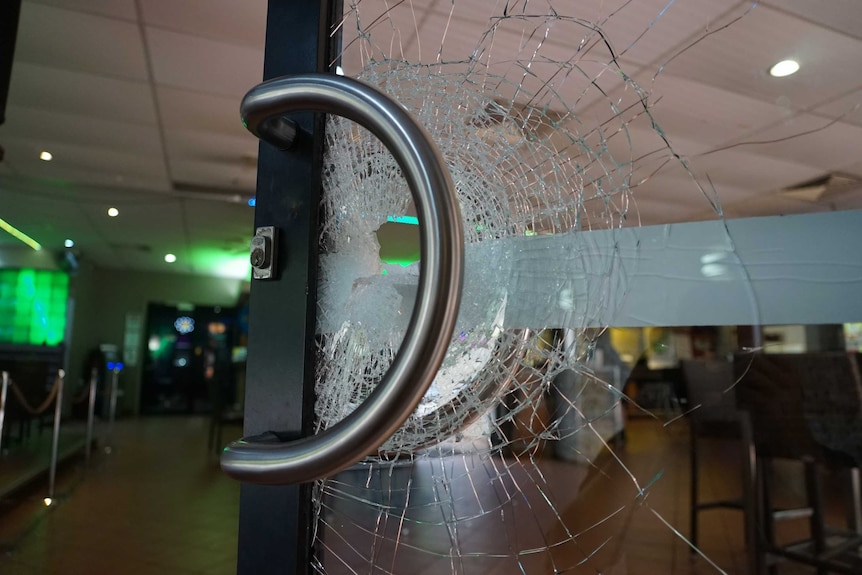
(466, 407)
(262, 460)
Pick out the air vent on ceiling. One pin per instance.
(514, 123)
(820, 188)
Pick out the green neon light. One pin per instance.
(19, 235)
(402, 263)
(410, 220)
(33, 306)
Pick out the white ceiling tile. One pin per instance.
(228, 21)
(810, 140)
(639, 31)
(678, 190)
(518, 51)
(222, 176)
(733, 201)
(775, 204)
(649, 31)
(134, 226)
(218, 234)
(687, 109)
(854, 168)
(220, 223)
(745, 170)
(183, 61)
(656, 212)
(234, 152)
(841, 15)
(120, 183)
(78, 194)
(738, 60)
(68, 89)
(80, 42)
(77, 163)
(395, 37)
(7, 242)
(44, 219)
(847, 109)
(637, 145)
(189, 110)
(51, 126)
(34, 86)
(121, 9)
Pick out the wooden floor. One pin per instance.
(159, 504)
(26, 461)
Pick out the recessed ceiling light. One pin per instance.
(113, 212)
(46, 155)
(170, 258)
(784, 68)
(69, 244)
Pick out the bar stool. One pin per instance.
(803, 407)
(713, 413)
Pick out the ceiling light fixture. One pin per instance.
(784, 68)
(19, 235)
(170, 258)
(46, 156)
(69, 244)
(113, 212)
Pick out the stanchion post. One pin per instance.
(91, 414)
(854, 509)
(112, 414)
(3, 389)
(55, 446)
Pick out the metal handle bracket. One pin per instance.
(438, 297)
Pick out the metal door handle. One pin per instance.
(258, 460)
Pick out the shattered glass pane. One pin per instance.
(546, 121)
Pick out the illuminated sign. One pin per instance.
(184, 324)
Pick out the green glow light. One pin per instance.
(220, 263)
(33, 306)
(19, 235)
(409, 220)
(402, 263)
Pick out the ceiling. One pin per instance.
(138, 101)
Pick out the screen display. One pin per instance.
(33, 306)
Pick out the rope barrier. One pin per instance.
(19, 395)
(85, 393)
(55, 396)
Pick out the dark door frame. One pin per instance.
(275, 522)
